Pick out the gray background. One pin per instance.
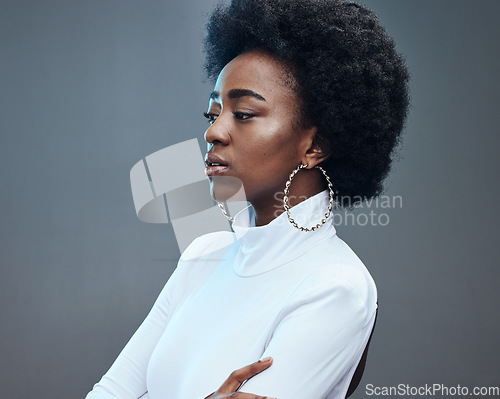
(88, 88)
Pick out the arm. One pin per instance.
(230, 387)
(318, 341)
(126, 379)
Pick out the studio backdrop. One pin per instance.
(88, 89)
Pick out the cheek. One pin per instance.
(282, 154)
(277, 140)
(274, 160)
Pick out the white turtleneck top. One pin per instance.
(303, 298)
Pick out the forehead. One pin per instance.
(259, 72)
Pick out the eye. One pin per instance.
(242, 116)
(211, 117)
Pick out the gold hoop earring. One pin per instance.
(224, 212)
(287, 206)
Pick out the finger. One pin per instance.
(243, 395)
(237, 377)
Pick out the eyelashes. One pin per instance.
(210, 117)
(240, 116)
(243, 116)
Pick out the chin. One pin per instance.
(227, 189)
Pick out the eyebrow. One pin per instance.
(238, 93)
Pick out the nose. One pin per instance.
(217, 132)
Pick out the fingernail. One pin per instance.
(267, 359)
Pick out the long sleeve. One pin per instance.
(305, 299)
(318, 342)
(126, 379)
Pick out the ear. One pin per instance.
(313, 154)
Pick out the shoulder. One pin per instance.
(198, 259)
(339, 278)
(196, 264)
(334, 261)
(208, 244)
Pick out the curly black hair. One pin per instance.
(352, 82)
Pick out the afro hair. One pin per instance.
(352, 82)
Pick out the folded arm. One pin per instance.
(317, 344)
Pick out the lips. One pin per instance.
(214, 160)
(215, 165)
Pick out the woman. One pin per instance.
(309, 95)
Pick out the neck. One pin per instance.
(305, 184)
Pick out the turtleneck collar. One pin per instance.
(263, 248)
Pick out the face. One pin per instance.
(252, 138)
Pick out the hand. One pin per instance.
(230, 387)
